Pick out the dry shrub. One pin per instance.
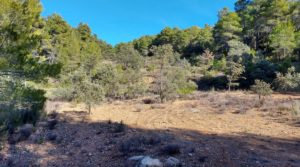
(139, 143)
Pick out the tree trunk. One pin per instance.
(229, 86)
(89, 109)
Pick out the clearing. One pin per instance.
(205, 129)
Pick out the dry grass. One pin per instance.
(205, 129)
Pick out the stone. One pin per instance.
(173, 162)
(150, 162)
(136, 158)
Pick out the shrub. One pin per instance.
(288, 82)
(19, 104)
(139, 142)
(261, 88)
(262, 70)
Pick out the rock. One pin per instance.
(150, 162)
(173, 162)
(25, 132)
(136, 158)
(51, 123)
(51, 136)
(42, 124)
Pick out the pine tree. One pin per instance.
(282, 40)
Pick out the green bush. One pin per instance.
(20, 104)
(261, 88)
(188, 88)
(289, 81)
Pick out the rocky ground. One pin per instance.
(206, 129)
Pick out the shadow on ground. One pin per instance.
(107, 144)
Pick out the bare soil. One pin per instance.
(207, 128)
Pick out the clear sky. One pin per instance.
(124, 20)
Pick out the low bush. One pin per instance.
(139, 143)
(261, 88)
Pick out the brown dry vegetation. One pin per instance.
(208, 128)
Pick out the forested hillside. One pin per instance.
(260, 40)
(254, 49)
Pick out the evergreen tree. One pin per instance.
(282, 40)
(227, 28)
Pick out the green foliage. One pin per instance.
(128, 57)
(233, 72)
(261, 88)
(170, 79)
(204, 61)
(143, 44)
(289, 81)
(228, 28)
(25, 55)
(220, 65)
(79, 86)
(282, 40)
(238, 49)
(19, 104)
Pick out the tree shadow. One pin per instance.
(81, 142)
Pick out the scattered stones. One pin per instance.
(173, 162)
(144, 161)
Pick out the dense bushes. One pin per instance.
(289, 81)
(19, 104)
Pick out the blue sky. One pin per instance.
(124, 20)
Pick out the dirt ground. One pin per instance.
(207, 128)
